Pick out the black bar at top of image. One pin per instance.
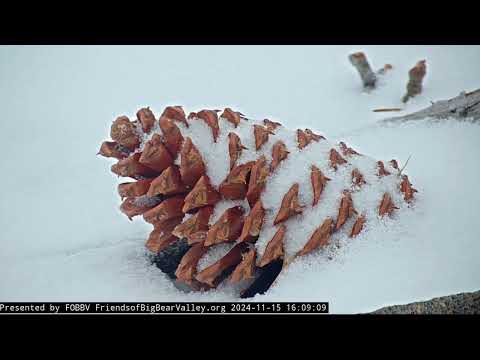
(248, 37)
(298, 26)
(165, 308)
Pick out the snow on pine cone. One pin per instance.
(243, 198)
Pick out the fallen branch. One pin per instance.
(462, 107)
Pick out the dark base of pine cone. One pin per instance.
(262, 283)
(169, 258)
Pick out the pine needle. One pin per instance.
(388, 109)
(404, 166)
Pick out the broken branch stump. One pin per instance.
(414, 85)
(369, 78)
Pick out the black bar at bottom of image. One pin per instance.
(165, 308)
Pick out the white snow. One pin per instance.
(62, 238)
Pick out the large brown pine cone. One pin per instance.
(233, 199)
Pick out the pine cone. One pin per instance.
(186, 192)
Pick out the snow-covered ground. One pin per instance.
(62, 237)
